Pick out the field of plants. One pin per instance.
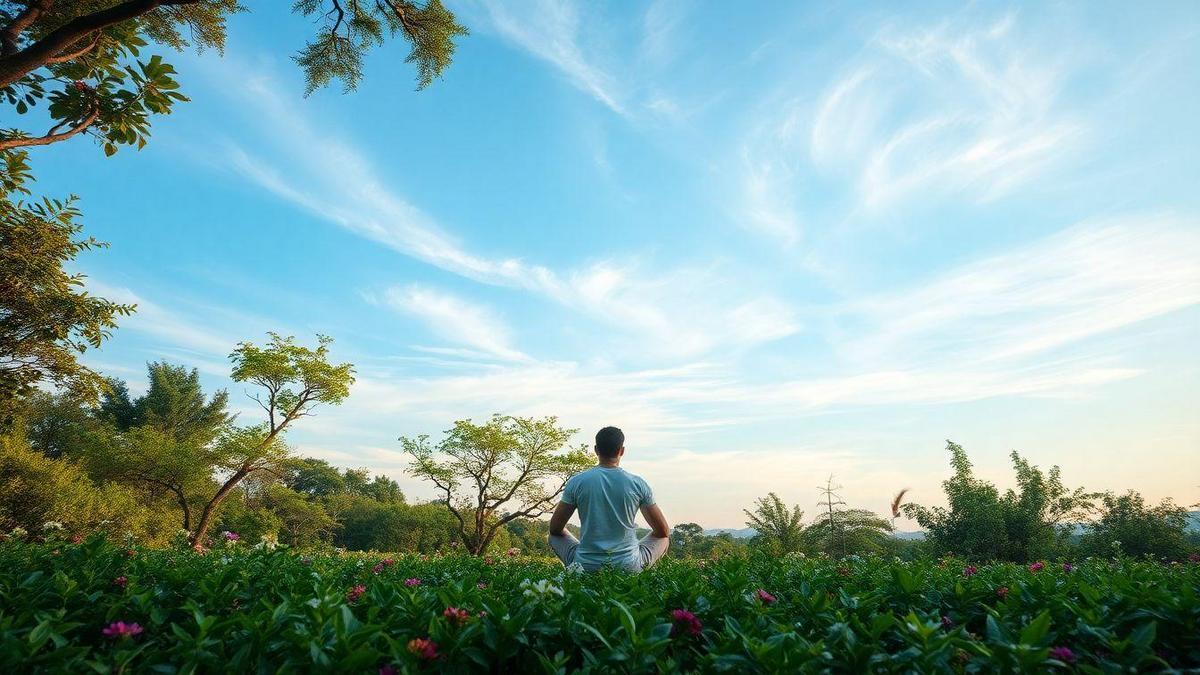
(96, 606)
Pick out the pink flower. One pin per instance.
(1195, 557)
(377, 568)
(119, 629)
(947, 622)
(514, 552)
(1002, 592)
(481, 585)
(388, 669)
(764, 596)
(388, 562)
(457, 615)
(1068, 568)
(76, 539)
(1063, 654)
(355, 593)
(230, 536)
(424, 648)
(970, 570)
(412, 582)
(686, 622)
(1037, 566)
(120, 581)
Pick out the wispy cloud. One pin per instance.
(1087, 280)
(955, 108)
(551, 30)
(456, 320)
(678, 311)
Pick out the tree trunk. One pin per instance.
(17, 65)
(211, 507)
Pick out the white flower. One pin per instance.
(314, 603)
(52, 526)
(540, 589)
(575, 568)
(18, 532)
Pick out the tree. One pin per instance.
(778, 528)
(514, 463)
(293, 380)
(849, 531)
(56, 425)
(1128, 525)
(82, 56)
(175, 404)
(835, 531)
(313, 477)
(47, 318)
(1021, 525)
(687, 540)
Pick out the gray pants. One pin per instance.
(649, 550)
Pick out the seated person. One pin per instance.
(608, 498)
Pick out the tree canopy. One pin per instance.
(87, 60)
(47, 317)
(492, 473)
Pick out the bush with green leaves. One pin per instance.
(100, 607)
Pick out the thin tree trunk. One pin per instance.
(211, 507)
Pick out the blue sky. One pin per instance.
(770, 241)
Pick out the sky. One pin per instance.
(773, 242)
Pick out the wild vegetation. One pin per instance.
(100, 606)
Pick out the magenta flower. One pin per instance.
(1002, 592)
(686, 622)
(1037, 566)
(457, 615)
(1068, 568)
(1195, 557)
(514, 552)
(424, 648)
(412, 582)
(120, 581)
(388, 669)
(355, 593)
(481, 585)
(377, 568)
(119, 629)
(230, 536)
(970, 570)
(1063, 654)
(947, 622)
(764, 596)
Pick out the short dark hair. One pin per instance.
(609, 442)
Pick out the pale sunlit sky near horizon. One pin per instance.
(771, 241)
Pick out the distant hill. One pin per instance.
(918, 535)
(742, 533)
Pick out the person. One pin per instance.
(608, 499)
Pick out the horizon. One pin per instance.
(771, 245)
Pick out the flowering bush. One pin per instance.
(92, 608)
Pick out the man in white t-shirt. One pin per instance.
(608, 499)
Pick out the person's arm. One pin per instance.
(558, 521)
(654, 518)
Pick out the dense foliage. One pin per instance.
(93, 606)
(47, 317)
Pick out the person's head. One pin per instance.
(610, 443)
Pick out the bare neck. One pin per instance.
(610, 463)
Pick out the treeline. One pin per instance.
(1039, 519)
(149, 465)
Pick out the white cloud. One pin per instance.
(961, 109)
(678, 311)
(456, 320)
(551, 30)
(1085, 281)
